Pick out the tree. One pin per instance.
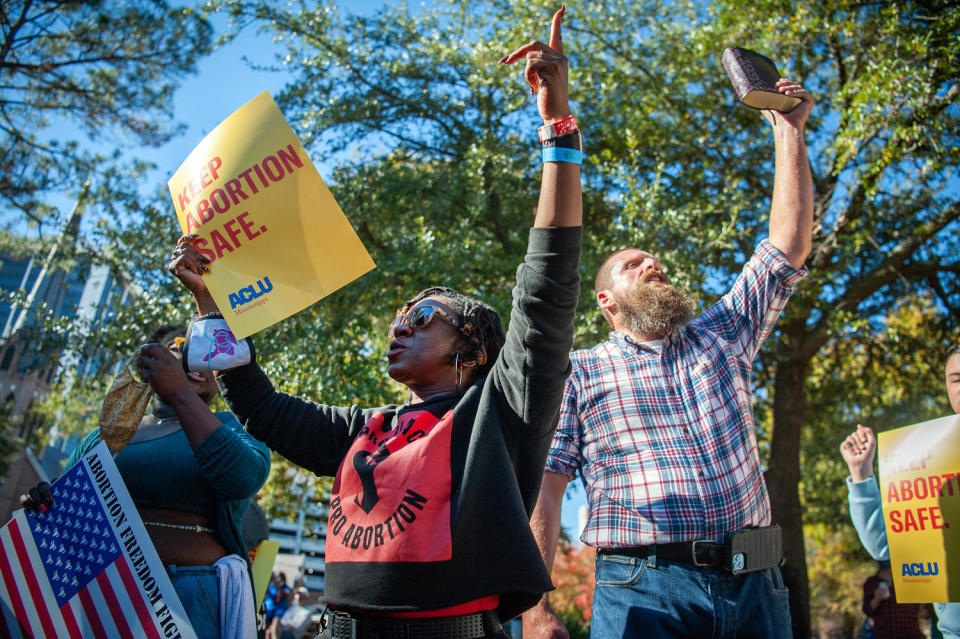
(75, 77)
(574, 582)
(897, 378)
(92, 67)
(9, 443)
(838, 568)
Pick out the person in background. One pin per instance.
(278, 596)
(191, 474)
(296, 620)
(891, 620)
(859, 451)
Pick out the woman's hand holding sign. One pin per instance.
(188, 265)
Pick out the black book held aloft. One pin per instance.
(754, 78)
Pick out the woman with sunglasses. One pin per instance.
(428, 532)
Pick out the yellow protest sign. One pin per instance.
(920, 489)
(276, 238)
(261, 564)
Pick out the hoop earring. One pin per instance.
(456, 363)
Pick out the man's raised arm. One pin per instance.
(791, 212)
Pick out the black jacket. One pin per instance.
(431, 503)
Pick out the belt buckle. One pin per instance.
(693, 554)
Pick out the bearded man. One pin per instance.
(658, 422)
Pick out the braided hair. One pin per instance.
(166, 333)
(479, 324)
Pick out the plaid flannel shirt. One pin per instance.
(664, 439)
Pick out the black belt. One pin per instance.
(747, 550)
(475, 626)
(704, 554)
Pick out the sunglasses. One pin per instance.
(422, 315)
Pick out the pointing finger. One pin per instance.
(521, 52)
(556, 42)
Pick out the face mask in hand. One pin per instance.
(211, 346)
(123, 408)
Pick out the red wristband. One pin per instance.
(555, 130)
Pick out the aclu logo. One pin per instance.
(918, 570)
(250, 293)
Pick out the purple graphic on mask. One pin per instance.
(223, 341)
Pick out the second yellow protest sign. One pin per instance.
(276, 239)
(261, 565)
(920, 489)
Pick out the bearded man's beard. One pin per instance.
(654, 310)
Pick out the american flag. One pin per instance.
(85, 568)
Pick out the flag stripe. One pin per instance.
(106, 617)
(127, 611)
(9, 625)
(108, 595)
(83, 625)
(14, 615)
(91, 614)
(29, 618)
(14, 593)
(70, 621)
(43, 598)
(138, 603)
(33, 584)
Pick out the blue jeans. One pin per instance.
(199, 592)
(648, 598)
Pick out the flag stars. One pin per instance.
(73, 538)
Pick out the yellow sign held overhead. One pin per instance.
(276, 238)
(920, 488)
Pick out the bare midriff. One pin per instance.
(181, 546)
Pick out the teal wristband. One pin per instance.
(557, 154)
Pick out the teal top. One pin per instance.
(216, 480)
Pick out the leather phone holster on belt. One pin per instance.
(753, 549)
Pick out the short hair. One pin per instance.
(603, 280)
(166, 333)
(479, 324)
(952, 350)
